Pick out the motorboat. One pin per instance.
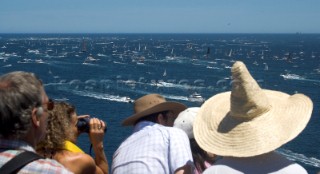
(195, 97)
(291, 76)
(128, 100)
(90, 59)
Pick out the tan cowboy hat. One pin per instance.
(249, 121)
(150, 104)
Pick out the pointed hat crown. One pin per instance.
(247, 98)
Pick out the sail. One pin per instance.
(84, 46)
(208, 52)
(230, 53)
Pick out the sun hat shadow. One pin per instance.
(228, 123)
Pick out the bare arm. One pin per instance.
(96, 137)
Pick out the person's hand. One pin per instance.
(83, 116)
(96, 132)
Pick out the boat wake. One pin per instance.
(297, 77)
(85, 93)
(101, 96)
(173, 97)
(312, 161)
(292, 76)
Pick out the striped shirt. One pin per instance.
(152, 148)
(11, 148)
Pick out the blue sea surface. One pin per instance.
(97, 72)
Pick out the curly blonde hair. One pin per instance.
(58, 129)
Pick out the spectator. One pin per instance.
(24, 107)
(153, 147)
(248, 124)
(201, 158)
(62, 134)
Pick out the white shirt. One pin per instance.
(152, 148)
(271, 162)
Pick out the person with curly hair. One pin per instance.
(59, 142)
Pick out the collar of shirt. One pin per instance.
(15, 144)
(142, 124)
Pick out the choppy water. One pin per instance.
(174, 65)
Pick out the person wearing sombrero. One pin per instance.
(247, 124)
(154, 146)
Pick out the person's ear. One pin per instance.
(36, 117)
(161, 120)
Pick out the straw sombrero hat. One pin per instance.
(249, 121)
(150, 104)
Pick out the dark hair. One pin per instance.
(20, 92)
(200, 156)
(153, 117)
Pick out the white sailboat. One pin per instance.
(171, 57)
(164, 73)
(230, 53)
(266, 67)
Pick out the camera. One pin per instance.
(84, 126)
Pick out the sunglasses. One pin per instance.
(50, 105)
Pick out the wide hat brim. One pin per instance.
(217, 132)
(165, 106)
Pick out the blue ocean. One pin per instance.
(101, 74)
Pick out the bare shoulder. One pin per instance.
(77, 162)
